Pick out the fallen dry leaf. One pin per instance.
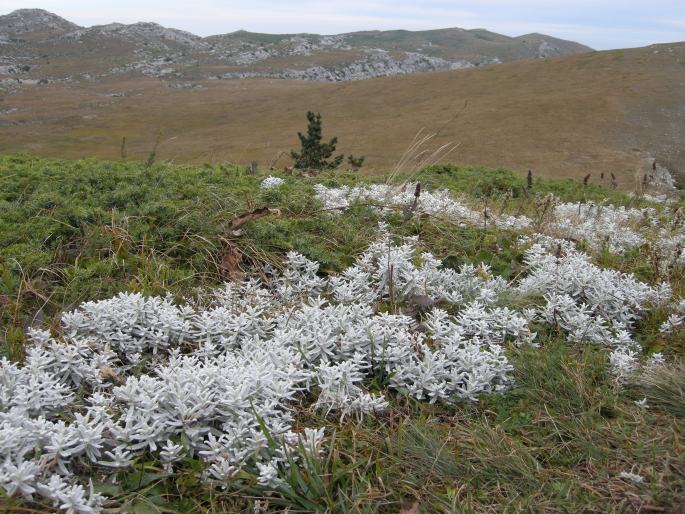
(110, 375)
(230, 261)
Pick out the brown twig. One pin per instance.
(229, 262)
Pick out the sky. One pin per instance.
(601, 24)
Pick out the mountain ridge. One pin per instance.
(45, 14)
(36, 38)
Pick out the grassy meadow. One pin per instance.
(556, 441)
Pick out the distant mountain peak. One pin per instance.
(38, 16)
(34, 21)
(32, 12)
(532, 34)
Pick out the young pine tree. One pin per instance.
(355, 162)
(314, 154)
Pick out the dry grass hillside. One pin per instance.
(599, 112)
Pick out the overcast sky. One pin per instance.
(602, 24)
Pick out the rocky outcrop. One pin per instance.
(159, 37)
(659, 177)
(378, 63)
(24, 22)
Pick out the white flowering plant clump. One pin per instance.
(590, 303)
(437, 203)
(624, 363)
(669, 242)
(221, 379)
(632, 477)
(616, 228)
(600, 225)
(676, 319)
(654, 197)
(271, 182)
(135, 376)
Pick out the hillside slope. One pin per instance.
(37, 45)
(591, 113)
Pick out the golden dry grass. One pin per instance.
(600, 112)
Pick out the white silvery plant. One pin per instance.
(132, 323)
(341, 390)
(615, 228)
(298, 279)
(625, 362)
(437, 203)
(147, 377)
(579, 293)
(271, 182)
(676, 318)
(134, 376)
(385, 264)
(31, 390)
(599, 225)
(670, 243)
